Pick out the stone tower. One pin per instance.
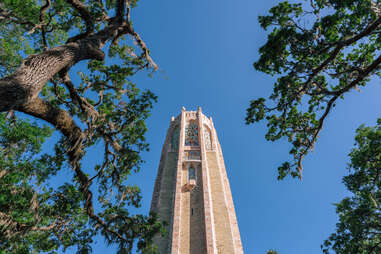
(192, 192)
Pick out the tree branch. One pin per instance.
(35, 71)
(366, 72)
(330, 103)
(84, 13)
(63, 122)
(312, 142)
(25, 84)
(120, 7)
(139, 40)
(375, 7)
(91, 113)
(339, 46)
(11, 228)
(20, 90)
(42, 22)
(11, 18)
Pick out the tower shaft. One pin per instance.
(192, 193)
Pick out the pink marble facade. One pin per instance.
(199, 212)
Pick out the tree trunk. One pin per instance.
(61, 120)
(25, 84)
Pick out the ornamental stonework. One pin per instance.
(191, 134)
(207, 139)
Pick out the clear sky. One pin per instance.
(205, 50)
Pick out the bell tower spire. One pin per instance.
(192, 193)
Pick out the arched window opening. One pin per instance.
(191, 173)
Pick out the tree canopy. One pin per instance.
(359, 227)
(41, 43)
(319, 51)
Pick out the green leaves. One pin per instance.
(280, 14)
(359, 227)
(28, 206)
(318, 53)
(256, 111)
(105, 111)
(315, 65)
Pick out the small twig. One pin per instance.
(128, 29)
(86, 107)
(42, 22)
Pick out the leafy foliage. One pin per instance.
(107, 111)
(318, 52)
(29, 207)
(359, 227)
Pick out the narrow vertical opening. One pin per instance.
(192, 211)
(191, 173)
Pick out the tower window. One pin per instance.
(191, 134)
(191, 173)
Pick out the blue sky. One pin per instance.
(205, 50)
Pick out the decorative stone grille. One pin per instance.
(191, 134)
(208, 139)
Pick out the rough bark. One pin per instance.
(25, 84)
(60, 119)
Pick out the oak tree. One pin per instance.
(319, 50)
(93, 105)
(359, 227)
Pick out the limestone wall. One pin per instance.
(192, 216)
(165, 200)
(199, 210)
(223, 235)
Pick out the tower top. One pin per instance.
(198, 109)
(190, 115)
(192, 192)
